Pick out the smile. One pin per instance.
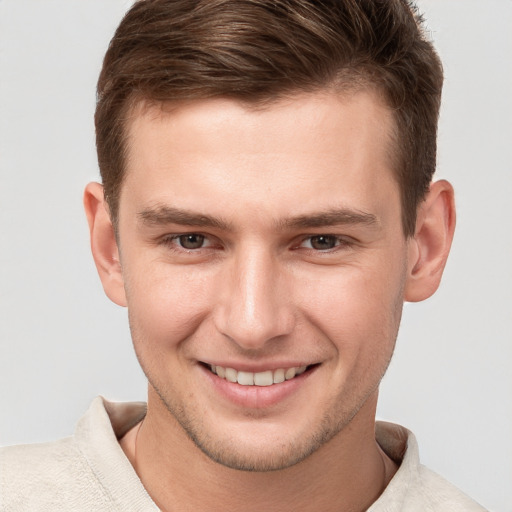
(265, 378)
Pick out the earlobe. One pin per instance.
(103, 243)
(430, 246)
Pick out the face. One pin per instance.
(263, 247)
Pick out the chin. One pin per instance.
(258, 446)
(254, 459)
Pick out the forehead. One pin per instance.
(305, 148)
(324, 110)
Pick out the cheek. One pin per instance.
(357, 308)
(166, 304)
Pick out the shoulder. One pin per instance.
(44, 477)
(47, 476)
(415, 487)
(39, 463)
(85, 472)
(436, 494)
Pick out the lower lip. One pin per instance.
(256, 397)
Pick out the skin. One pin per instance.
(298, 258)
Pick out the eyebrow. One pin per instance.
(163, 215)
(334, 217)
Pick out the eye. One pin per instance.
(187, 241)
(191, 241)
(322, 242)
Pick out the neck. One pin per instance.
(348, 473)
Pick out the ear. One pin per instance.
(429, 248)
(103, 243)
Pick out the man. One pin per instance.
(267, 206)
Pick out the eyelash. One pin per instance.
(172, 241)
(341, 242)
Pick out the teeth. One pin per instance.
(266, 378)
(301, 370)
(231, 375)
(279, 376)
(245, 378)
(290, 373)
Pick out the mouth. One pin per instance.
(263, 378)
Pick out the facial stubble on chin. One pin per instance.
(224, 452)
(284, 456)
(287, 454)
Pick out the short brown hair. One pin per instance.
(260, 50)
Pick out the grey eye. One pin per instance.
(323, 242)
(191, 241)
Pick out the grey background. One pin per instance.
(62, 342)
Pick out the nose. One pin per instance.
(254, 305)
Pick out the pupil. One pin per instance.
(192, 241)
(323, 242)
